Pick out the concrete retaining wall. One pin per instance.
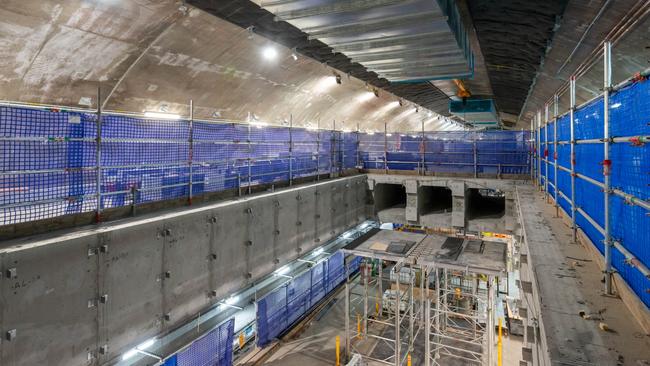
(84, 298)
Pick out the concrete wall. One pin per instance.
(415, 212)
(68, 295)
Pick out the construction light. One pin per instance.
(270, 53)
(232, 300)
(160, 115)
(283, 271)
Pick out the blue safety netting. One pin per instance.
(629, 172)
(212, 349)
(491, 152)
(49, 165)
(281, 308)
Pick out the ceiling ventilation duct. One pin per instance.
(400, 40)
(479, 112)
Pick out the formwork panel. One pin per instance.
(132, 278)
(186, 261)
(52, 307)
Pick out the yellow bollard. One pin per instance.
(500, 347)
(359, 326)
(408, 360)
(338, 349)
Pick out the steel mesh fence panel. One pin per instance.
(213, 349)
(47, 161)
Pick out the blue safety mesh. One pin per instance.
(630, 173)
(213, 349)
(287, 304)
(49, 165)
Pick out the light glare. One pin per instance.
(270, 53)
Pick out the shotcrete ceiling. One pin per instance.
(155, 55)
(514, 36)
(246, 14)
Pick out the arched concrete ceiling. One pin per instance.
(149, 55)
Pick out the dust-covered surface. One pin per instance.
(570, 285)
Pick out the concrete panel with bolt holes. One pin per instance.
(127, 281)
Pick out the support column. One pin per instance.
(555, 112)
(423, 170)
(290, 150)
(190, 153)
(572, 141)
(490, 320)
(546, 151)
(98, 157)
(398, 303)
(347, 318)
(607, 164)
(385, 148)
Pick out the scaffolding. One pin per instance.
(434, 301)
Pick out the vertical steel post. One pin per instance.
(424, 151)
(607, 163)
(398, 305)
(365, 279)
(357, 148)
(385, 148)
(250, 170)
(318, 150)
(427, 325)
(572, 87)
(290, 150)
(347, 318)
(540, 154)
(98, 156)
(555, 154)
(546, 151)
(380, 285)
(490, 319)
(332, 147)
(436, 319)
(531, 137)
(475, 154)
(190, 148)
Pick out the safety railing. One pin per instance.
(594, 163)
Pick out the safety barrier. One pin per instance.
(610, 195)
(214, 348)
(56, 162)
(283, 307)
(471, 152)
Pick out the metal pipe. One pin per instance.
(398, 303)
(546, 152)
(555, 163)
(582, 38)
(385, 148)
(98, 156)
(290, 150)
(424, 149)
(573, 156)
(475, 153)
(607, 50)
(190, 151)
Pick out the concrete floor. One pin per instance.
(627, 344)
